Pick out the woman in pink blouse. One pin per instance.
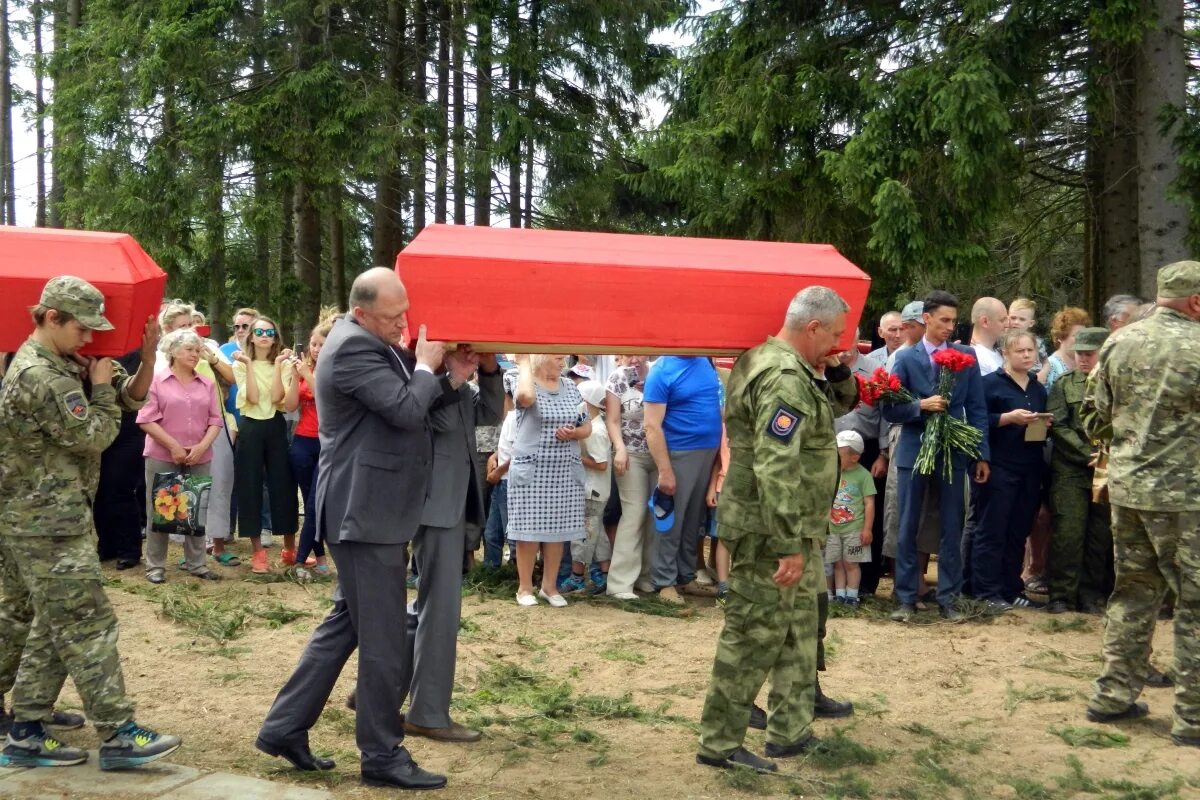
(181, 419)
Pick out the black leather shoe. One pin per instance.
(127, 563)
(297, 754)
(788, 750)
(1057, 607)
(352, 700)
(828, 708)
(1135, 711)
(739, 758)
(404, 776)
(1158, 680)
(1186, 741)
(758, 718)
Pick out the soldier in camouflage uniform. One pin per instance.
(1145, 388)
(773, 518)
(58, 411)
(1080, 568)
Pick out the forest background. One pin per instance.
(266, 151)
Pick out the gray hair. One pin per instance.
(1117, 304)
(174, 310)
(816, 302)
(176, 340)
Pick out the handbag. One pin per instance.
(180, 502)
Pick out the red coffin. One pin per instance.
(114, 263)
(527, 290)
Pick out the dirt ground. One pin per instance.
(597, 701)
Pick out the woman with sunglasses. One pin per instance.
(264, 372)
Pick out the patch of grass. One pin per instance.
(932, 769)
(1057, 625)
(746, 780)
(1031, 790)
(341, 720)
(277, 614)
(833, 642)
(1084, 736)
(1057, 662)
(218, 618)
(529, 643)
(1077, 781)
(467, 628)
(599, 760)
(838, 751)
(873, 706)
(1013, 696)
(620, 654)
(850, 785)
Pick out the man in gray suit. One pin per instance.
(376, 455)
(455, 499)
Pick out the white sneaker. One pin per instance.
(526, 599)
(266, 538)
(644, 586)
(624, 596)
(556, 600)
(704, 578)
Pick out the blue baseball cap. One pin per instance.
(662, 506)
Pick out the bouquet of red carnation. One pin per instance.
(882, 387)
(945, 434)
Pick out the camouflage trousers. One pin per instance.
(1155, 550)
(1080, 565)
(73, 630)
(16, 614)
(769, 632)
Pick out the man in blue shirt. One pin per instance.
(682, 405)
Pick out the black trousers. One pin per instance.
(369, 613)
(261, 458)
(119, 509)
(1007, 504)
(873, 570)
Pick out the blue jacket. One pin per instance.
(966, 402)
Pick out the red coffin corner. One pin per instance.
(114, 263)
(565, 291)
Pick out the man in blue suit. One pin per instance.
(914, 366)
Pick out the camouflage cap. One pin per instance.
(76, 297)
(1089, 339)
(1181, 279)
(913, 312)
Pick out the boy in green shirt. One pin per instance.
(850, 520)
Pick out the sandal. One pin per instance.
(227, 559)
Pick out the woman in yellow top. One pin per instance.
(263, 373)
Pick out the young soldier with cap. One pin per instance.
(1081, 549)
(58, 412)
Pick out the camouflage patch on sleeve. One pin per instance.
(75, 404)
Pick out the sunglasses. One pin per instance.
(264, 332)
(241, 327)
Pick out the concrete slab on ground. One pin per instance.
(86, 780)
(222, 786)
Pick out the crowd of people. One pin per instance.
(629, 476)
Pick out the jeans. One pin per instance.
(497, 524)
(304, 456)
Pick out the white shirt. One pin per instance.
(508, 436)
(989, 360)
(598, 447)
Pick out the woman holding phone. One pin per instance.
(1016, 404)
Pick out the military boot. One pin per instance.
(828, 708)
(133, 746)
(29, 745)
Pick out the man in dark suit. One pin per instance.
(455, 499)
(376, 455)
(914, 366)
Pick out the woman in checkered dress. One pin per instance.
(545, 475)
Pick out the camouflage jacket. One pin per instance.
(1144, 389)
(783, 470)
(1073, 448)
(51, 437)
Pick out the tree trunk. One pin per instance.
(215, 263)
(532, 78)
(337, 248)
(287, 250)
(1161, 85)
(421, 43)
(481, 167)
(441, 178)
(458, 25)
(514, 97)
(39, 100)
(308, 257)
(8, 188)
(67, 18)
(387, 223)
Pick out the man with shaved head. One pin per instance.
(988, 320)
(376, 456)
(891, 330)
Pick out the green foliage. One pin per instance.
(1084, 736)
